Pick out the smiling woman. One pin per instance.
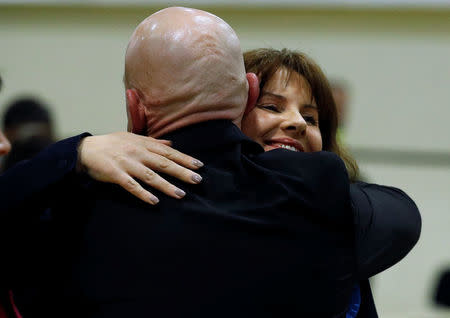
(295, 107)
(286, 115)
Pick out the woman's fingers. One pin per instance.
(161, 164)
(154, 180)
(133, 187)
(145, 166)
(123, 158)
(164, 142)
(161, 148)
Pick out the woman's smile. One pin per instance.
(286, 115)
(285, 143)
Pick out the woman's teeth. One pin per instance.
(288, 147)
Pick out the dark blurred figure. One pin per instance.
(27, 117)
(5, 146)
(7, 306)
(28, 125)
(442, 293)
(340, 91)
(26, 149)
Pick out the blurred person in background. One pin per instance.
(441, 296)
(327, 143)
(27, 117)
(27, 122)
(5, 145)
(341, 95)
(25, 149)
(6, 308)
(28, 125)
(340, 90)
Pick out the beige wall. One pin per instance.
(397, 63)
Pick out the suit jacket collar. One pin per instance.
(211, 135)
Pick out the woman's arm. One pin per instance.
(115, 158)
(388, 225)
(29, 179)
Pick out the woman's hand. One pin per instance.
(121, 157)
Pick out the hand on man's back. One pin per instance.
(122, 158)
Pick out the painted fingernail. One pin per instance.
(196, 178)
(197, 163)
(180, 193)
(154, 199)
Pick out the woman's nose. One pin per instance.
(294, 123)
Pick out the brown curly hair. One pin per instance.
(265, 62)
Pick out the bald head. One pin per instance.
(185, 66)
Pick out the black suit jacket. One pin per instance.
(265, 234)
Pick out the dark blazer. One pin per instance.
(265, 235)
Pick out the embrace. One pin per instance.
(272, 223)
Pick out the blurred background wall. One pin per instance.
(394, 59)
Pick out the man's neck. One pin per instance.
(167, 126)
(210, 135)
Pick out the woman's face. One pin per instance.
(285, 116)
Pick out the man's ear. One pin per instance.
(136, 113)
(253, 92)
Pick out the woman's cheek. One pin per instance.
(316, 140)
(250, 125)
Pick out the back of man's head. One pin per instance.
(183, 66)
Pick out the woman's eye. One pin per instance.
(310, 120)
(272, 108)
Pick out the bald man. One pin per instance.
(262, 236)
(183, 72)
